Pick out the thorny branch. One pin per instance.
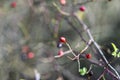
(85, 27)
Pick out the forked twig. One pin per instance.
(95, 44)
(85, 27)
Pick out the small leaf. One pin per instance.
(114, 54)
(118, 55)
(114, 47)
(83, 71)
(82, 74)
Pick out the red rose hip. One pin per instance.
(88, 56)
(30, 55)
(13, 4)
(82, 8)
(63, 39)
(60, 53)
(62, 2)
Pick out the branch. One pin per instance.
(62, 12)
(95, 44)
(85, 27)
(111, 73)
(101, 75)
(74, 28)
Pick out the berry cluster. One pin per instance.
(83, 71)
(26, 53)
(62, 40)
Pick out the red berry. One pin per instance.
(63, 39)
(25, 49)
(13, 4)
(30, 55)
(88, 56)
(62, 2)
(82, 8)
(60, 53)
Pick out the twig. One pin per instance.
(96, 45)
(78, 60)
(111, 73)
(70, 49)
(64, 53)
(71, 58)
(85, 2)
(90, 41)
(90, 68)
(74, 28)
(102, 75)
(90, 36)
(62, 12)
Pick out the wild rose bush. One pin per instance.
(59, 39)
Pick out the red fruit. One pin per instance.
(25, 49)
(82, 8)
(60, 53)
(30, 55)
(63, 39)
(88, 56)
(13, 4)
(62, 2)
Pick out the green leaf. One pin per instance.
(114, 47)
(118, 55)
(83, 71)
(114, 54)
